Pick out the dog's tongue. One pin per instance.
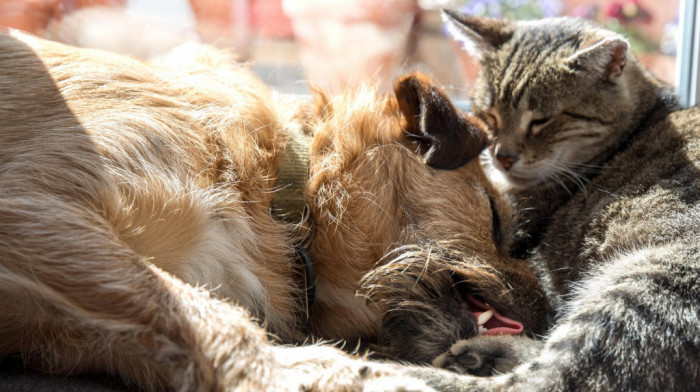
(489, 321)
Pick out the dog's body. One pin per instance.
(136, 235)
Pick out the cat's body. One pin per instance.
(606, 170)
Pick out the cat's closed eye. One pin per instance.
(536, 126)
(492, 121)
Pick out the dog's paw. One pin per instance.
(487, 355)
(323, 368)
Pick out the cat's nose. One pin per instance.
(506, 160)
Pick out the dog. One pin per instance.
(182, 227)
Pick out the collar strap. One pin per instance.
(304, 259)
(289, 205)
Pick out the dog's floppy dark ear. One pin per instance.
(446, 136)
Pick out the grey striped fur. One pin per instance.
(608, 190)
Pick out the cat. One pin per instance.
(603, 165)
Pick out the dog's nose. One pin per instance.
(506, 160)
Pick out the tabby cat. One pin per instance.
(604, 165)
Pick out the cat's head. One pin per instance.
(554, 92)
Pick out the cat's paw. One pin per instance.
(487, 355)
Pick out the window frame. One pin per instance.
(688, 61)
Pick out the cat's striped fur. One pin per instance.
(605, 168)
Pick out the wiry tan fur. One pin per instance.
(136, 235)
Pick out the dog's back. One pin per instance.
(105, 159)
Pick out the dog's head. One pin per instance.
(405, 217)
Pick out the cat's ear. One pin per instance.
(446, 137)
(479, 35)
(604, 56)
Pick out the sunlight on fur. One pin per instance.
(138, 239)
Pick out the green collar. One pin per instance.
(288, 204)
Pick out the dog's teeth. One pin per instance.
(482, 329)
(484, 317)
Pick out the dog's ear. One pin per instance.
(447, 138)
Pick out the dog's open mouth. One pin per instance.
(488, 320)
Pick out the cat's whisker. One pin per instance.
(577, 178)
(556, 178)
(563, 173)
(553, 172)
(582, 165)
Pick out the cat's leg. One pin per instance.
(631, 326)
(488, 355)
(74, 298)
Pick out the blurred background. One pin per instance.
(330, 42)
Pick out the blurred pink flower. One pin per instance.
(628, 11)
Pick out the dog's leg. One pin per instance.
(74, 298)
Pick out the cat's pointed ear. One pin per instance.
(604, 56)
(446, 137)
(479, 35)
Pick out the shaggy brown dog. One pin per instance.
(138, 232)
